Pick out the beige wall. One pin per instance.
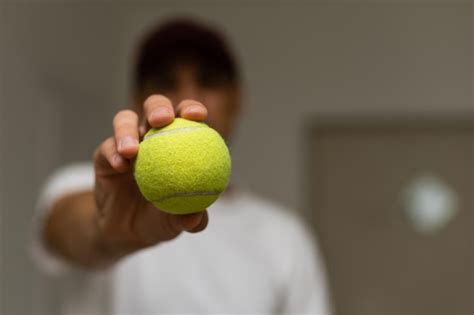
(65, 64)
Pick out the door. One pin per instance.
(392, 204)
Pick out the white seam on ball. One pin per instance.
(187, 194)
(165, 132)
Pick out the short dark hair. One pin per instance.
(184, 41)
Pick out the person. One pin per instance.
(124, 256)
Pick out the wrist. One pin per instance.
(104, 253)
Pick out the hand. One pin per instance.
(126, 221)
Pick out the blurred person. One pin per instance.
(121, 255)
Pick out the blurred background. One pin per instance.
(358, 115)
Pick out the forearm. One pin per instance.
(71, 231)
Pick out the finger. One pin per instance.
(152, 225)
(202, 225)
(192, 110)
(159, 111)
(189, 222)
(126, 133)
(142, 130)
(107, 161)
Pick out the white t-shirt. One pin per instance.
(254, 257)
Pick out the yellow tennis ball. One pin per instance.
(183, 167)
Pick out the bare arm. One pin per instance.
(94, 229)
(71, 230)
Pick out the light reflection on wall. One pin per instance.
(430, 203)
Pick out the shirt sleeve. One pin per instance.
(306, 289)
(68, 179)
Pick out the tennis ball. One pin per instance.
(183, 167)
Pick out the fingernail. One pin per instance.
(128, 142)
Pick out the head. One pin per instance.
(183, 60)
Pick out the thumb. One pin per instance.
(194, 222)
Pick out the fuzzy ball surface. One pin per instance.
(183, 167)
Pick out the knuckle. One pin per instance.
(108, 147)
(109, 142)
(156, 99)
(129, 113)
(190, 102)
(96, 153)
(103, 148)
(118, 116)
(124, 116)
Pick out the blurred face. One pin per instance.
(222, 102)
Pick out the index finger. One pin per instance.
(126, 133)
